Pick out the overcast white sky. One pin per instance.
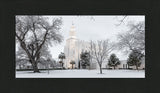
(101, 27)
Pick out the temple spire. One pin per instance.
(72, 31)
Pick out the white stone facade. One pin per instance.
(73, 49)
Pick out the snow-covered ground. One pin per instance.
(82, 74)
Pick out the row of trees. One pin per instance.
(113, 61)
(35, 34)
(134, 59)
(85, 59)
(132, 41)
(62, 57)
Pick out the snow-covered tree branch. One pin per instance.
(100, 50)
(134, 38)
(35, 32)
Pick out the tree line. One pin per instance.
(35, 34)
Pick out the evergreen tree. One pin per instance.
(61, 56)
(85, 59)
(113, 61)
(135, 58)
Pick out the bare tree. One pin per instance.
(122, 20)
(100, 51)
(133, 39)
(90, 53)
(33, 32)
(45, 57)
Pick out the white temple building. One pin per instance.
(73, 49)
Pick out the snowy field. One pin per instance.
(82, 74)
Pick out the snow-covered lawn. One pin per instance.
(82, 74)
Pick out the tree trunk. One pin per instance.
(79, 65)
(35, 67)
(114, 67)
(62, 63)
(100, 70)
(136, 67)
(36, 70)
(128, 66)
(100, 66)
(72, 66)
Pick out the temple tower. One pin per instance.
(70, 49)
